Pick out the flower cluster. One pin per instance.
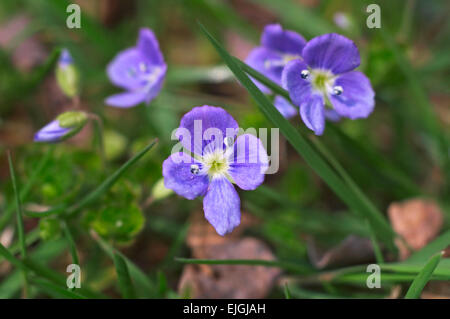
(319, 75)
(212, 156)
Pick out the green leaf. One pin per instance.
(350, 195)
(123, 276)
(423, 277)
(96, 193)
(120, 222)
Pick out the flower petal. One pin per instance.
(249, 162)
(332, 115)
(149, 46)
(312, 113)
(124, 69)
(357, 99)
(268, 63)
(206, 126)
(156, 85)
(126, 99)
(222, 206)
(284, 107)
(332, 52)
(299, 89)
(284, 41)
(178, 177)
(51, 132)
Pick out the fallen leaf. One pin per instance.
(230, 281)
(418, 221)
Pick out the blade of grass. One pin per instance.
(297, 268)
(423, 277)
(103, 187)
(349, 181)
(376, 248)
(142, 281)
(123, 276)
(287, 293)
(347, 194)
(56, 291)
(20, 228)
(429, 250)
(30, 265)
(26, 188)
(71, 243)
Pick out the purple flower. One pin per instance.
(140, 70)
(219, 159)
(64, 126)
(278, 47)
(324, 83)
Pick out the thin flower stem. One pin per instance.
(98, 127)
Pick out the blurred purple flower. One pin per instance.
(326, 74)
(140, 70)
(278, 47)
(64, 126)
(219, 158)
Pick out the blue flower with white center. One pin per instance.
(278, 48)
(325, 85)
(219, 159)
(140, 70)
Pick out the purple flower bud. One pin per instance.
(64, 126)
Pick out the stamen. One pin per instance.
(337, 90)
(304, 74)
(195, 169)
(142, 67)
(229, 141)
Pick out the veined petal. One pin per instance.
(284, 107)
(332, 115)
(179, 178)
(126, 99)
(222, 206)
(312, 113)
(299, 88)
(52, 132)
(206, 127)
(155, 86)
(284, 41)
(331, 52)
(357, 99)
(124, 70)
(249, 162)
(148, 45)
(267, 62)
